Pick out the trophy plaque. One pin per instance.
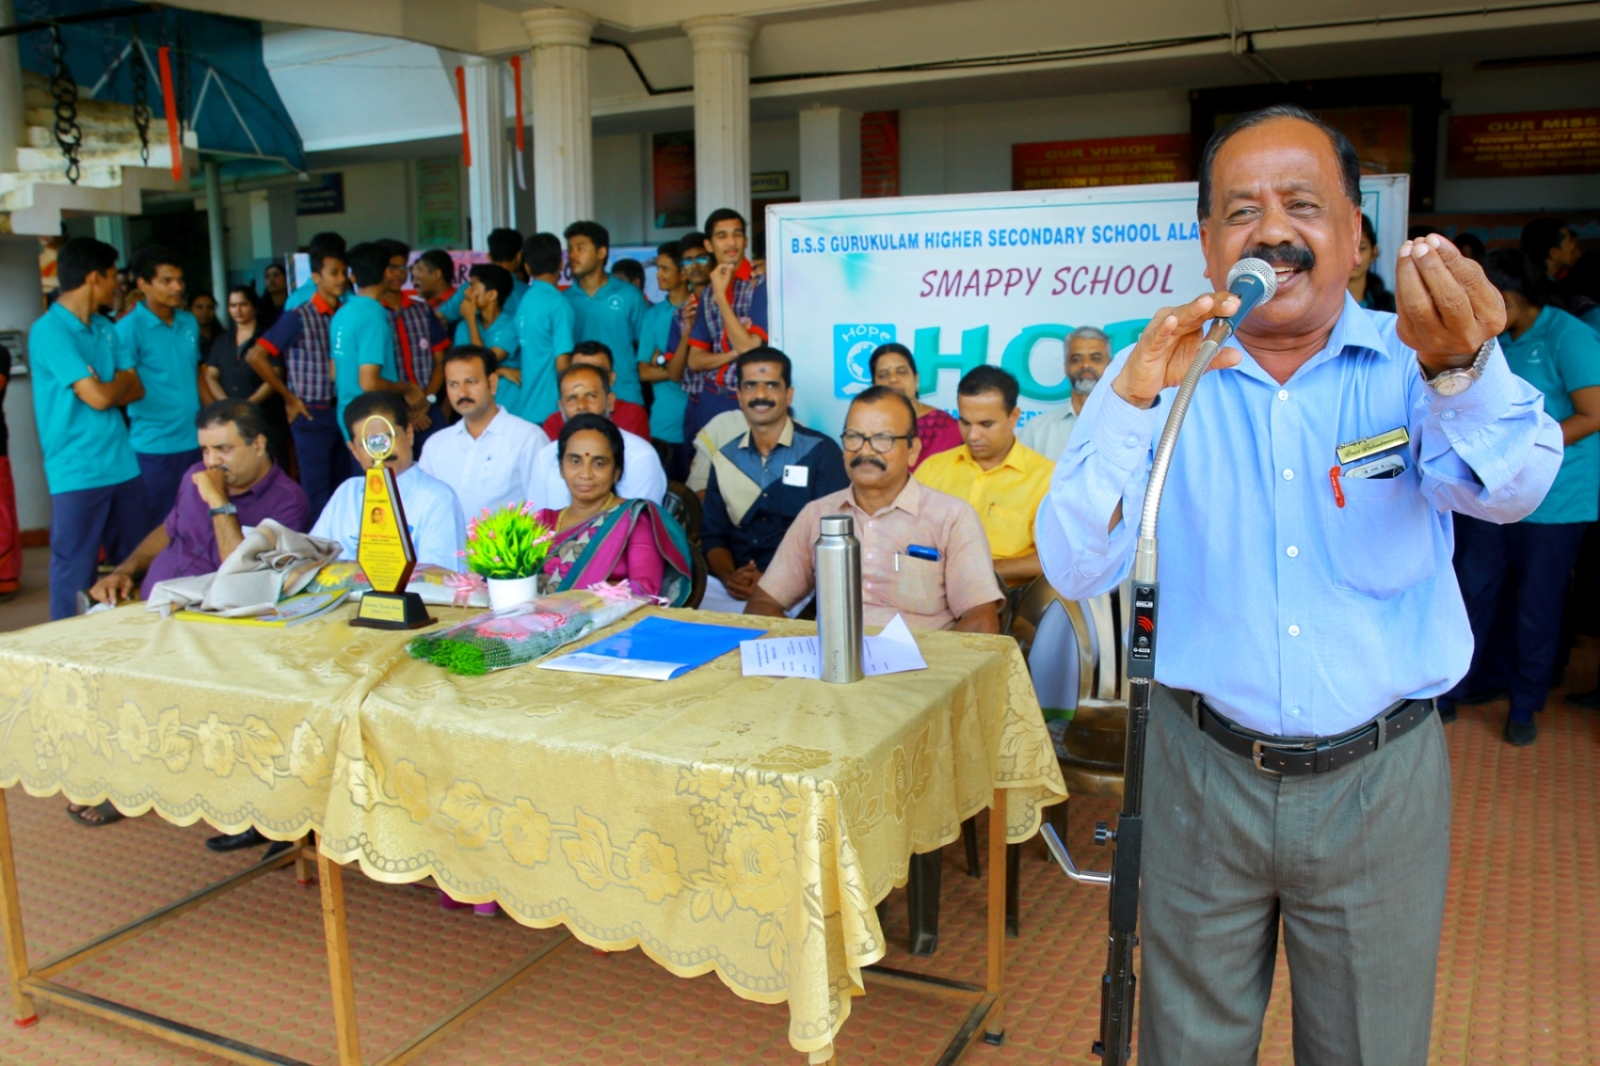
(384, 550)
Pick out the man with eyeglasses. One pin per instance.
(761, 481)
(924, 554)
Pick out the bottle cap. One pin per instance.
(837, 525)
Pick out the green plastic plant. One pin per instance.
(507, 543)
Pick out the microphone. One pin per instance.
(1254, 282)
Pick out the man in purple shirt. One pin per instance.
(235, 484)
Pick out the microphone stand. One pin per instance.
(1117, 986)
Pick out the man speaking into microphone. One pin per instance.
(1295, 767)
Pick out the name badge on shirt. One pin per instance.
(1382, 442)
(798, 476)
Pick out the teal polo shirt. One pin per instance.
(613, 316)
(361, 334)
(666, 412)
(83, 448)
(546, 328)
(502, 334)
(167, 359)
(300, 295)
(1559, 355)
(450, 310)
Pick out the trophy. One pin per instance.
(385, 551)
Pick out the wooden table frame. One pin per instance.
(987, 1015)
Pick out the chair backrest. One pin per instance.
(1073, 648)
(697, 591)
(684, 505)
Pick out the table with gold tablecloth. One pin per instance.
(742, 825)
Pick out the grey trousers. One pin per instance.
(1354, 862)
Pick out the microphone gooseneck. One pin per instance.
(1254, 282)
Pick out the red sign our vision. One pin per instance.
(1101, 161)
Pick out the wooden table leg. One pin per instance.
(337, 930)
(302, 859)
(994, 1025)
(11, 924)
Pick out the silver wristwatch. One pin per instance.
(1455, 382)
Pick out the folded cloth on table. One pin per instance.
(271, 563)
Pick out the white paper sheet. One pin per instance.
(894, 651)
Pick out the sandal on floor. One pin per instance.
(104, 814)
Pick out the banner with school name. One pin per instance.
(998, 278)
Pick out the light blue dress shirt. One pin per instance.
(545, 330)
(83, 448)
(1292, 615)
(613, 316)
(167, 358)
(433, 515)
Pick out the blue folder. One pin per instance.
(656, 648)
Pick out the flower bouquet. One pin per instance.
(526, 631)
(507, 548)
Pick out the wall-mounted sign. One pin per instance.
(439, 203)
(880, 154)
(769, 182)
(1162, 157)
(672, 170)
(1524, 144)
(324, 196)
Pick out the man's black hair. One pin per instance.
(393, 248)
(462, 353)
(884, 394)
(439, 259)
(1510, 271)
(585, 368)
(892, 348)
(987, 378)
(367, 262)
(1349, 161)
(672, 249)
(80, 257)
(149, 258)
(1541, 237)
(629, 270)
(693, 241)
(321, 255)
(596, 348)
(766, 354)
(504, 245)
(597, 234)
(541, 254)
(723, 214)
(495, 278)
(1471, 246)
(327, 243)
(593, 423)
(245, 416)
(388, 404)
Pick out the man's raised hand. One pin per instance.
(1446, 305)
(1168, 345)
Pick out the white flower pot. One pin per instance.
(510, 591)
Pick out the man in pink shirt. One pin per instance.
(924, 554)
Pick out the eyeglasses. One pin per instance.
(696, 260)
(882, 443)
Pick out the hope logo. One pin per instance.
(852, 348)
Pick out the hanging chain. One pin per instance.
(69, 135)
(138, 70)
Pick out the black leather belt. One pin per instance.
(1294, 756)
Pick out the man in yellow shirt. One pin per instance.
(1003, 479)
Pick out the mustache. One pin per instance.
(861, 460)
(1287, 255)
(763, 404)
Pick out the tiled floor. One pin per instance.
(1519, 975)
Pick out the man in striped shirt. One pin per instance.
(300, 339)
(731, 318)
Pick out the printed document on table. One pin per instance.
(894, 651)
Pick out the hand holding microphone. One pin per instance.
(1173, 337)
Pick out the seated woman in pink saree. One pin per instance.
(599, 537)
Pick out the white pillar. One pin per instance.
(273, 230)
(13, 111)
(721, 112)
(214, 230)
(563, 131)
(830, 154)
(488, 195)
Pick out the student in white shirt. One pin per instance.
(488, 456)
(433, 515)
(587, 390)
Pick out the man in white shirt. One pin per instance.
(587, 390)
(432, 512)
(487, 457)
(1088, 355)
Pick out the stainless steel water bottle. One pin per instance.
(838, 563)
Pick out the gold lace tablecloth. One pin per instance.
(721, 823)
(742, 825)
(231, 723)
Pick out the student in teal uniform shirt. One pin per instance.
(606, 309)
(361, 337)
(487, 324)
(323, 244)
(82, 377)
(505, 251)
(545, 329)
(1531, 560)
(163, 340)
(657, 364)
